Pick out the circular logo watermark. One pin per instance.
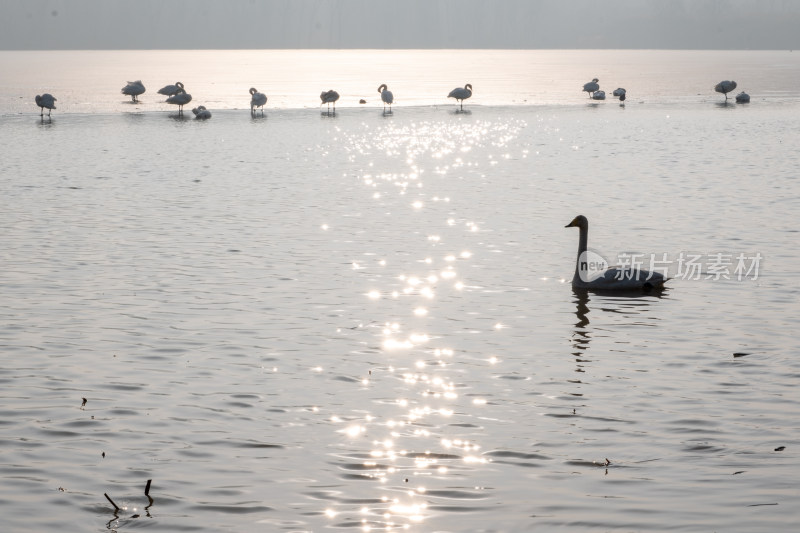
(590, 265)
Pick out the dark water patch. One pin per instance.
(347, 379)
(191, 452)
(463, 425)
(240, 404)
(513, 377)
(359, 477)
(238, 508)
(706, 448)
(427, 455)
(454, 494)
(363, 467)
(227, 443)
(455, 509)
(587, 464)
(517, 455)
(334, 497)
(121, 386)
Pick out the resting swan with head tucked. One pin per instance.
(615, 278)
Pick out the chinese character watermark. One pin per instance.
(685, 265)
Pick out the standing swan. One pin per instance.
(591, 87)
(46, 100)
(180, 99)
(725, 87)
(386, 96)
(461, 94)
(171, 90)
(612, 279)
(133, 89)
(257, 99)
(329, 97)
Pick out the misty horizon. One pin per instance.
(416, 24)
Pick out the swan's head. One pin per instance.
(595, 80)
(178, 85)
(468, 87)
(382, 87)
(579, 221)
(253, 90)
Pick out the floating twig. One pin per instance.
(116, 508)
(147, 487)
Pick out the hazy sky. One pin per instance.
(209, 24)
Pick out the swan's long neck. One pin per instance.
(583, 243)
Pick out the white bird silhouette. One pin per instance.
(386, 96)
(180, 99)
(170, 90)
(257, 99)
(591, 87)
(200, 112)
(612, 279)
(742, 98)
(329, 97)
(133, 89)
(46, 100)
(725, 87)
(461, 94)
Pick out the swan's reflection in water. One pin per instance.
(634, 308)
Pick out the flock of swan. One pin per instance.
(615, 279)
(176, 94)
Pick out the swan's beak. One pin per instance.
(572, 224)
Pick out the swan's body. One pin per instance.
(599, 95)
(591, 87)
(386, 96)
(461, 94)
(742, 98)
(725, 87)
(201, 112)
(180, 99)
(612, 279)
(618, 92)
(46, 100)
(133, 89)
(329, 97)
(257, 99)
(171, 90)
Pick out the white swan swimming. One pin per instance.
(257, 99)
(133, 89)
(612, 279)
(725, 87)
(461, 94)
(329, 97)
(180, 99)
(386, 96)
(742, 98)
(46, 100)
(171, 90)
(200, 112)
(591, 87)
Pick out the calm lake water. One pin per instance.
(364, 321)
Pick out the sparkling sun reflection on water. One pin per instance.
(414, 454)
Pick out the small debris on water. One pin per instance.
(84, 402)
(362, 101)
(780, 448)
(740, 354)
(103, 454)
(739, 472)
